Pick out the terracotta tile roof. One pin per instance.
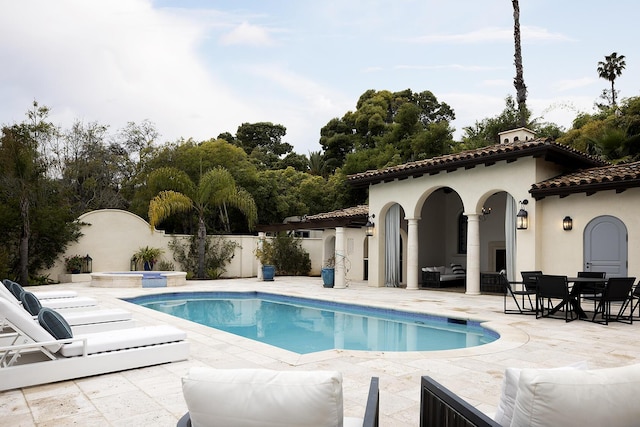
(616, 177)
(356, 216)
(352, 212)
(539, 147)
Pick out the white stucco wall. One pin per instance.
(561, 252)
(112, 236)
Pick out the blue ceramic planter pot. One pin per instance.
(268, 272)
(328, 277)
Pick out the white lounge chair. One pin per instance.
(55, 303)
(43, 294)
(48, 352)
(83, 322)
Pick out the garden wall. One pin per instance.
(112, 236)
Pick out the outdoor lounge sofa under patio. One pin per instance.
(48, 352)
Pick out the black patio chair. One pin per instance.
(530, 279)
(592, 291)
(515, 290)
(550, 289)
(635, 295)
(616, 290)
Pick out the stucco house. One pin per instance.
(577, 213)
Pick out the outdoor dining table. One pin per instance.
(576, 290)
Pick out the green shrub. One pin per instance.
(218, 252)
(290, 258)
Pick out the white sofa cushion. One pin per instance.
(265, 398)
(574, 397)
(509, 391)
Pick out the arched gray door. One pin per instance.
(605, 246)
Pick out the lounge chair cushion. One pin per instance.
(574, 397)
(17, 316)
(264, 398)
(31, 303)
(121, 339)
(54, 323)
(509, 391)
(59, 303)
(97, 316)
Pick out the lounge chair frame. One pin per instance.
(32, 363)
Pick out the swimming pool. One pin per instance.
(305, 326)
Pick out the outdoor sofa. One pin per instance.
(442, 276)
(263, 397)
(543, 397)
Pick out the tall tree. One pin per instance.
(610, 70)
(518, 81)
(178, 193)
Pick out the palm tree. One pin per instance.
(611, 69)
(216, 189)
(518, 80)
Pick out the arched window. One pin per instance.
(462, 234)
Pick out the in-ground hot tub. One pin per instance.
(138, 279)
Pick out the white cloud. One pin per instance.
(564, 85)
(448, 67)
(247, 34)
(115, 62)
(491, 34)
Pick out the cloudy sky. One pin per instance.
(197, 68)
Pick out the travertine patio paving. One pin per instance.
(152, 396)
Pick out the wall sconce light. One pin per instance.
(567, 223)
(486, 211)
(522, 218)
(369, 226)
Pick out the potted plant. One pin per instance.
(73, 264)
(265, 252)
(328, 272)
(148, 256)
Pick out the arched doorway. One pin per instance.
(605, 246)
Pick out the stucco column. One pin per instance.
(261, 237)
(340, 272)
(412, 253)
(473, 254)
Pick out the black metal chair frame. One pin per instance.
(551, 288)
(515, 293)
(616, 290)
(635, 295)
(440, 407)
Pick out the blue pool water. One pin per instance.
(305, 326)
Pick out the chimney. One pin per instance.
(516, 135)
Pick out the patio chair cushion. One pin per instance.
(265, 398)
(574, 397)
(509, 391)
(54, 323)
